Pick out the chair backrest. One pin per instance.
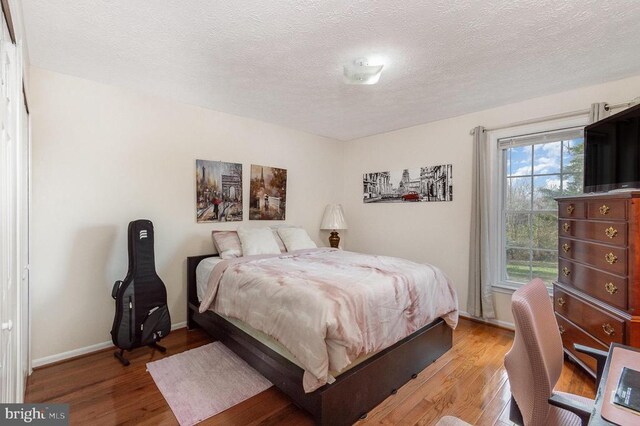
(534, 362)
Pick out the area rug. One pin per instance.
(205, 381)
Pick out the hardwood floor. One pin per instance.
(468, 382)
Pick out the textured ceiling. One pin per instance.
(281, 61)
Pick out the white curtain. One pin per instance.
(481, 269)
(598, 112)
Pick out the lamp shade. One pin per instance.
(333, 218)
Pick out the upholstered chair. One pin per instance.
(535, 362)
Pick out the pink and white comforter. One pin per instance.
(329, 307)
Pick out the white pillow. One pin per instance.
(275, 228)
(257, 241)
(296, 239)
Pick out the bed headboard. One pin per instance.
(192, 292)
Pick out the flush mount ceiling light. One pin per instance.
(361, 72)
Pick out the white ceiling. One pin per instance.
(281, 61)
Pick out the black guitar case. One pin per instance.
(142, 316)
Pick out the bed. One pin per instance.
(348, 395)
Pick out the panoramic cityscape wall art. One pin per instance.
(218, 191)
(268, 193)
(433, 183)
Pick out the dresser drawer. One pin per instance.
(572, 209)
(571, 334)
(607, 232)
(609, 288)
(608, 258)
(600, 324)
(607, 209)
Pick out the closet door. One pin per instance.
(6, 322)
(9, 246)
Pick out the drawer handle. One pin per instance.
(561, 301)
(608, 330)
(611, 288)
(566, 226)
(566, 247)
(611, 232)
(566, 271)
(561, 329)
(604, 209)
(610, 258)
(570, 209)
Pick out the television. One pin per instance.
(612, 152)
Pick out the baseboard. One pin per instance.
(40, 362)
(491, 321)
(178, 325)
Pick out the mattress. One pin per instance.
(203, 270)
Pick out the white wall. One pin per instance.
(103, 156)
(438, 233)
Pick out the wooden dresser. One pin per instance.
(597, 296)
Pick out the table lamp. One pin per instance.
(333, 219)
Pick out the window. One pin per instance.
(535, 169)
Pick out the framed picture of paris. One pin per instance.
(218, 191)
(268, 193)
(433, 183)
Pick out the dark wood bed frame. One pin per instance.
(355, 392)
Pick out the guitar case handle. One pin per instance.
(116, 286)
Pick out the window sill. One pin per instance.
(506, 288)
(509, 288)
